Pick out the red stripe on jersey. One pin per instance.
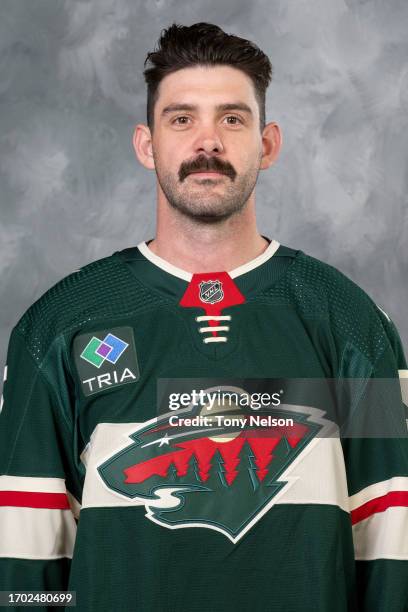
(379, 504)
(29, 499)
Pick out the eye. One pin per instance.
(180, 117)
(237, 119)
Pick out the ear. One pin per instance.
(142, 144)
(271, 144)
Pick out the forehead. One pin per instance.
(206, 86)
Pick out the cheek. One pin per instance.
(170, 156)
(248, 159)
(164, 159)
(246, 154)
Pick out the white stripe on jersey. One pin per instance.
(399, 483)
(36, 533)
(4, 380)
(32, 484)
(75, 505)
(403, 376)
(317, 476)
(383, 311)
(382, 536)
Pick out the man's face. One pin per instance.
(195, 130)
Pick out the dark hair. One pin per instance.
(205, 44)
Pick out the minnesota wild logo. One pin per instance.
(220, 477)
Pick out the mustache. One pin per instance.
(206, 164)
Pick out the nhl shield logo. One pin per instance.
(211, 291)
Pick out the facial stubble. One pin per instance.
(205, 199)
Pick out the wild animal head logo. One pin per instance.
(223, 478)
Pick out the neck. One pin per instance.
(195, 246)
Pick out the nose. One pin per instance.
(208, 141)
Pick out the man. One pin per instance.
(101, 491)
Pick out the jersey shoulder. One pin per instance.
(353, 315)
(325, 280)
(98, 290)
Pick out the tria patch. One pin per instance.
(106, 358)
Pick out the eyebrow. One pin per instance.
(231, 106)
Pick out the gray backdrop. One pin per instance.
(72, 89)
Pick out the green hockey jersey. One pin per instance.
(109, 491)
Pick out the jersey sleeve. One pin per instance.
(377, 473)
(37, 478)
